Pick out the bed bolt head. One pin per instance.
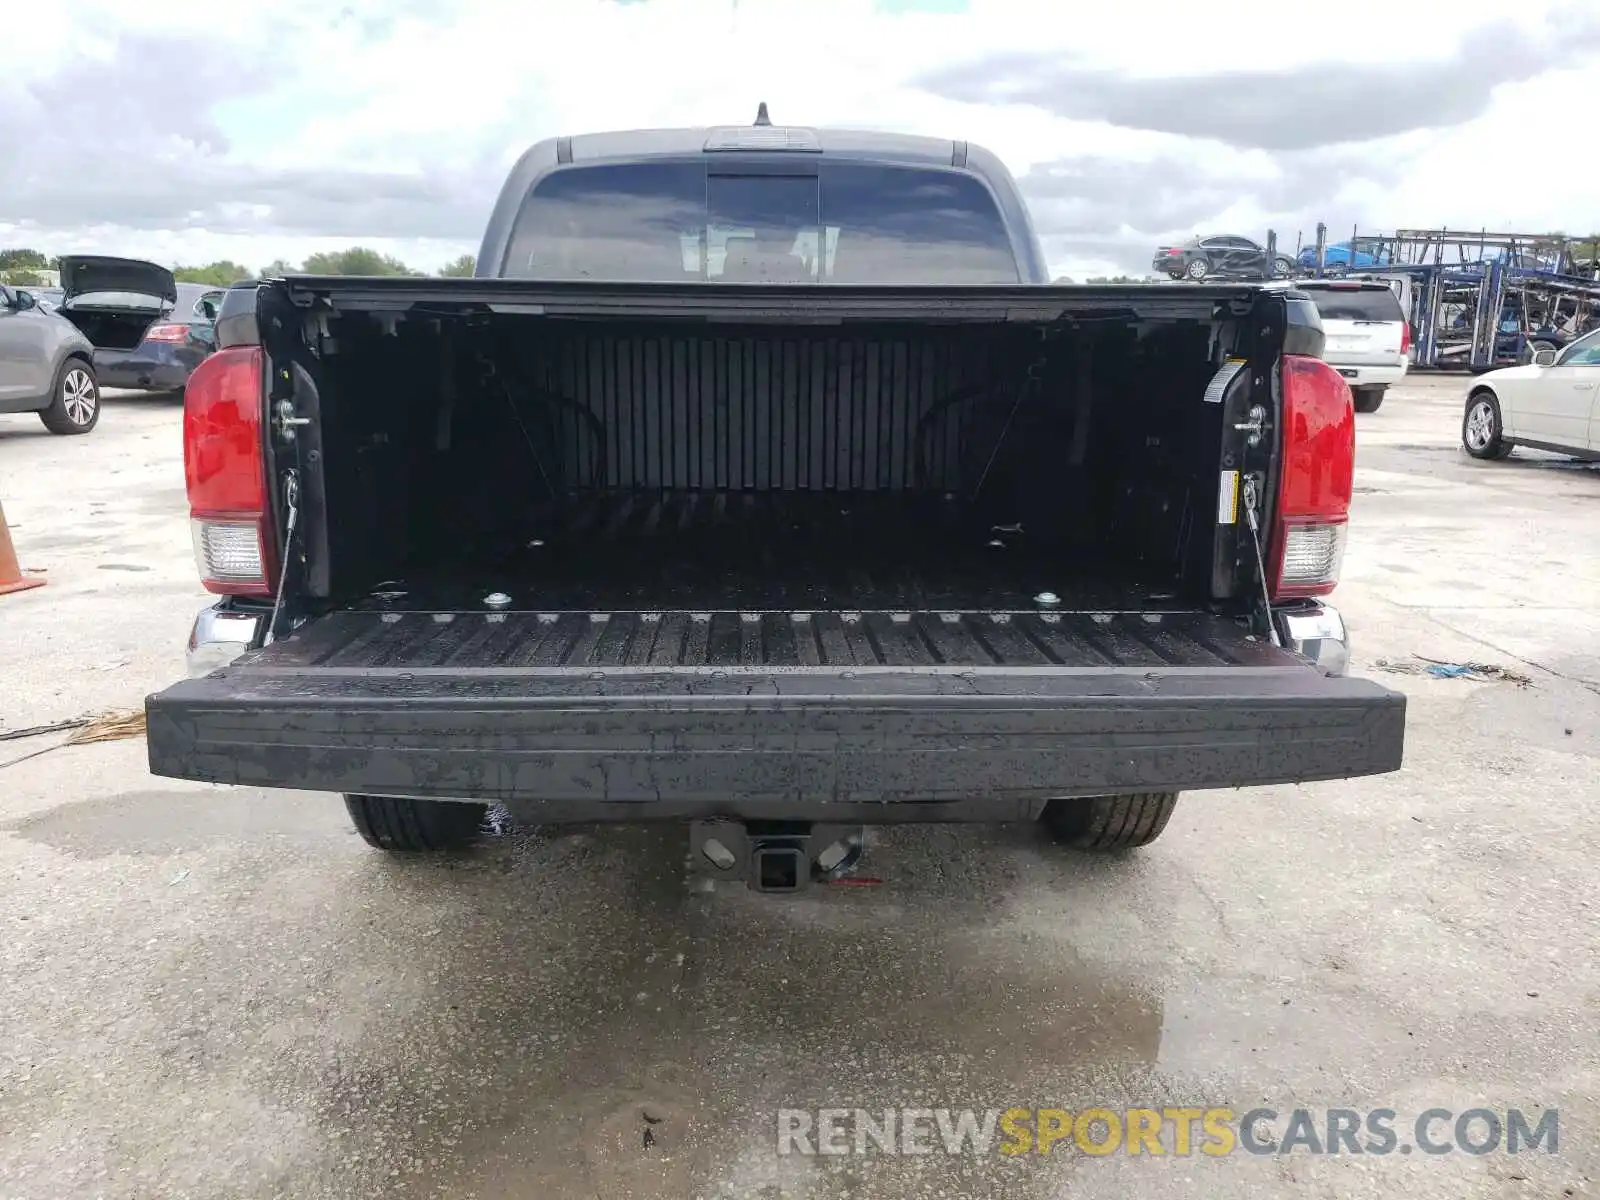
(1047, 599)
(497, 600)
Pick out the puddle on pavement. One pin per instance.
(597, 1022)
(572, 1012)
(162, 822)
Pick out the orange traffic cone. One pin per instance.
(11, 576)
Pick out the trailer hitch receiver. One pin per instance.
(775, 856)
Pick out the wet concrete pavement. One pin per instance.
(223, 992)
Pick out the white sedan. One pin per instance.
(1553, 403)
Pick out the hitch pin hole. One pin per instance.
(719, 855)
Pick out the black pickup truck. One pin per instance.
(761, 481)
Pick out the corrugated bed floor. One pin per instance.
(487, 641)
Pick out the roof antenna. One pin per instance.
(761, 115)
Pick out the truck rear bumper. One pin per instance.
(795, 742)
(222, 632)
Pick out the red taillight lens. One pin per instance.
(224, 465)
(167, 333)
(1405, 337)
(1306, 547)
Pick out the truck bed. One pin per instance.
(767, 551)
(809, 645)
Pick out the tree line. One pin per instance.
(25, 267)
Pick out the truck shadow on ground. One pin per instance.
(573, 1013)
(618, 1030)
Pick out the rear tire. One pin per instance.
(413, 826)
(1197, 269)
(1369, 399)
(74, 400)
(1110, 822)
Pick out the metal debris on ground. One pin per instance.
(1437, 669)
(11, 735)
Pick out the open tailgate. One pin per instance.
(643, 707)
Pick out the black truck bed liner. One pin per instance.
(733, 551)
(674, 713)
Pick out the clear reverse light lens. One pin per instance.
(228, 551)
(1312, 554)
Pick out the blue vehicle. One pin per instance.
(1366, 255)
(149, 331)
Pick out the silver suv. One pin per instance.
(46, 365)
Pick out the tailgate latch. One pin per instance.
(1254, 426)
(284, 420)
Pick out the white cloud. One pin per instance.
(297, 126)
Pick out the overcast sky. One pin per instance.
(272, 130)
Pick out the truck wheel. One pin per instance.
(75, 401)
(1198, 268)
(1481, 429)
(394, 823)
(1368, 399)
(1110, 822)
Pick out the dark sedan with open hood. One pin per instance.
(148, 330)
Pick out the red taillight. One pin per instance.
(224, 465)
(1405, 337)
(167, 333)
(1306, 545)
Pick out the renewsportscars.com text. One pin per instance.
(1176, 1131)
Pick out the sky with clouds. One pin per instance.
(258, 132)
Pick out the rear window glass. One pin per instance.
(845, 223)
(117, 300)
(1355, 304)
